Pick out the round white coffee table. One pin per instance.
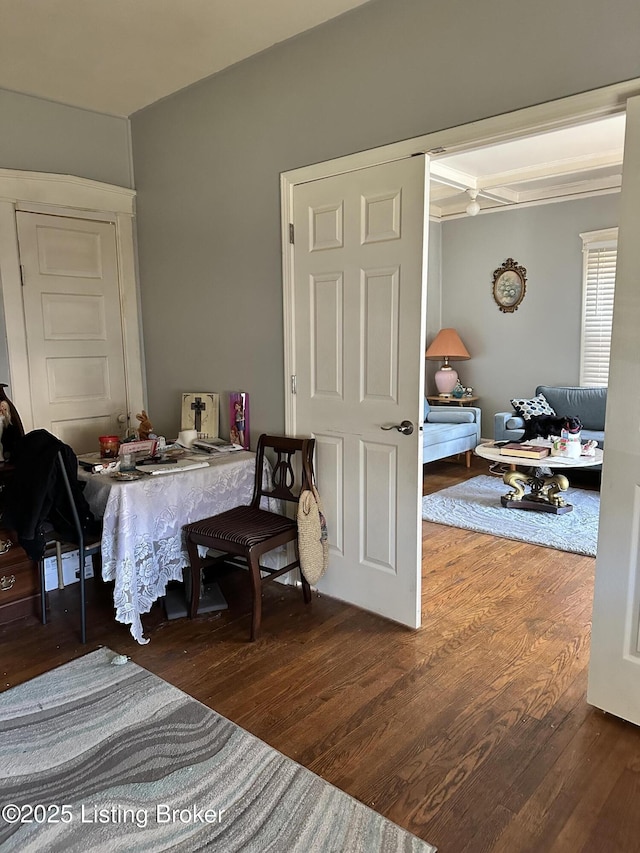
(544, 489)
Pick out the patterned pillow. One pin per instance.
(535, 406)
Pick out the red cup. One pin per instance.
(109, 446)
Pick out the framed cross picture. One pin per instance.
(239, 418)
(201, 411)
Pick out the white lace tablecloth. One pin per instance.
(142, 541)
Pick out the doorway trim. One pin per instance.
(571, 110)
(70, 196)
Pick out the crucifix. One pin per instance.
(198, 407)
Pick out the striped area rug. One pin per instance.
(101, 757)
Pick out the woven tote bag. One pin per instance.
(313, 543)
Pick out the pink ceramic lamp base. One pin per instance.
(445, 380)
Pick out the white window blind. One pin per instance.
(600, 250)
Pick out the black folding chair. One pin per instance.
(86, 549)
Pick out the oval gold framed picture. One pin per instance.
(509, 285)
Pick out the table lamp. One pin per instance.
(446, 346)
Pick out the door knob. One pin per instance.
(122, 419)
(406, 427)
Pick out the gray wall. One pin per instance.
(207, 160)
(539, 344)
(434, 298)
(42, 136)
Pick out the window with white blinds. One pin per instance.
(600, 250)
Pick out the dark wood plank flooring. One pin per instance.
(473, 732)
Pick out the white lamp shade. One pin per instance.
(473, 208)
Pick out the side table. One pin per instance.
(436, 400)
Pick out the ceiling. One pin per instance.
(559, 164)
(117, 56)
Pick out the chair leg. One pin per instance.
(43, 593)
(83, 598)
(96, 562)
(306, 588)
(195, 564)
(467, 454)
(256, 594)
(59, 565)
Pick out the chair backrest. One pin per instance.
(285, 483)
(72, 501)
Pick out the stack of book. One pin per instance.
(94, 463)
(526, 451)
(165, 468)
(215, 446)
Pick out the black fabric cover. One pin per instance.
(11, 438)
(36, 493)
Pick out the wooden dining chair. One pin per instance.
(245, 533)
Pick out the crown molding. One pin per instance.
(69, 190)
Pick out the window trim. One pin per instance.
(604, 238)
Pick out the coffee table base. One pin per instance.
(536, 506)
(544, 494)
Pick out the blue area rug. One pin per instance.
(475, 505)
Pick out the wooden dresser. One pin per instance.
(19, 576)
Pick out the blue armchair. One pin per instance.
(449, 430)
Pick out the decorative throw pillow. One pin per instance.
(535, 406)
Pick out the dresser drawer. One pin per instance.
(19, 587)
(18, 581)
(11, 553)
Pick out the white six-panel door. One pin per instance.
(359, 303)
(614, 672)
(74, 327)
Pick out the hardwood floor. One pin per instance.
(473, 732)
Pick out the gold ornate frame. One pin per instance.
(509, 286)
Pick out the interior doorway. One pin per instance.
(516, 126)
(73, 327)
(76, 199)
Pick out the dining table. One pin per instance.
(143, 546)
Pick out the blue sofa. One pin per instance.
(448, 430)
(588, 404)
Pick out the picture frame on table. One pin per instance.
(201, 411)
(239, 418)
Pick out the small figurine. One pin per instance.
(146, 428)
(589, 448)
